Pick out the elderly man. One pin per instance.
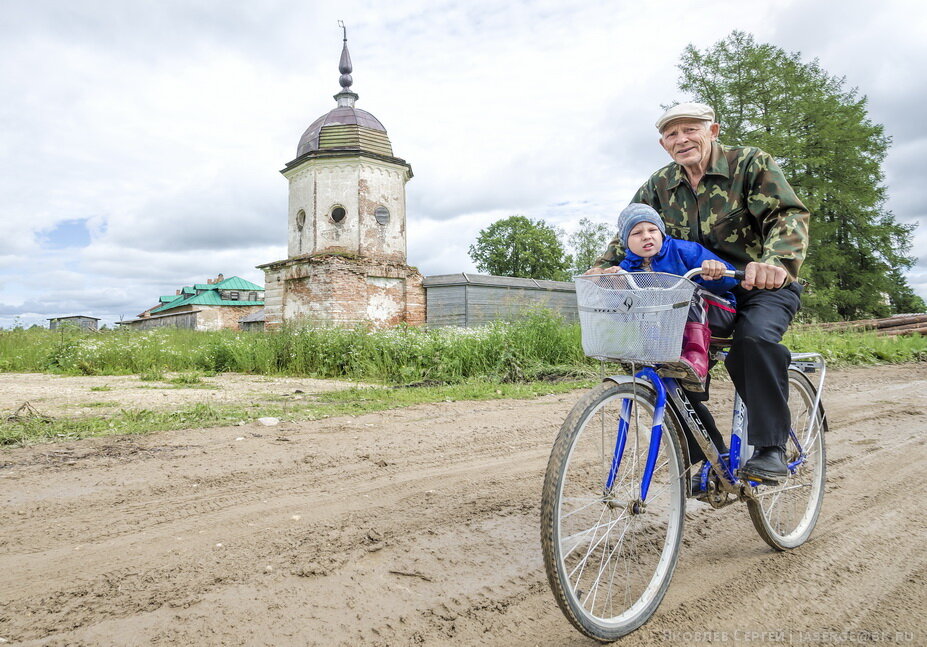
(735, 201)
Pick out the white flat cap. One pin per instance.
(686, 111)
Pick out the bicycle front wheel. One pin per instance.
(609, 553)
(784, 515)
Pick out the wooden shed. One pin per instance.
(79, 321)
(253, 321)
(185, 319)
(475, 299)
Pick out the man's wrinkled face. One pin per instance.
(688, 141)
(645, 239)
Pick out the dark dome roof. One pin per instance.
(340, 116)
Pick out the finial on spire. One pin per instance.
(346, 97)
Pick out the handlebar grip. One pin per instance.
(737, 274)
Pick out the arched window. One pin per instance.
(300, 220)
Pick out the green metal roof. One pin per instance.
(168, 298)
(210, 298)
(237, 283)
(209, 295)
(175, 299)
(231, 283)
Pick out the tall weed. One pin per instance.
(539, 345)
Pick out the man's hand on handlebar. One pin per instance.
(764, 276)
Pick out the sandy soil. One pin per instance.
(420, 526)
(57, 395)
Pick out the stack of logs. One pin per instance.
(897, 325)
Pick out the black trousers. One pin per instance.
(758, 365)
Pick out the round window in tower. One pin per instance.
(338, 213)
(300, 220)
(381, 214)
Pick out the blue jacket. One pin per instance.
(680, 256)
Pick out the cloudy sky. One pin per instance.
(141, 142)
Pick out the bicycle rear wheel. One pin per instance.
(785, 515)
(609, 556)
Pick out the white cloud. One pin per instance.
(165, 124)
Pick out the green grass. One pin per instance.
(336, 403)
(502, 359)
(537, 346)
(858, 348)
(126, 421)
(101, 388)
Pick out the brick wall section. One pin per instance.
(343, 291)
(220, 317)
(415, 300)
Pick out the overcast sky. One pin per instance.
(141, 142)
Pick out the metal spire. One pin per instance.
(346, 97)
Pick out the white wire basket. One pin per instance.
(633, 317)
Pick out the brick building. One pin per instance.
(346, 247)
(218, 303)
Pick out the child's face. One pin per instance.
(645, 239)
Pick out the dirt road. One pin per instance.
(420, 526)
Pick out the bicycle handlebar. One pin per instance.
(737, 274)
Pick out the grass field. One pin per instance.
(526, 349)
(535, 355)
(536, 347)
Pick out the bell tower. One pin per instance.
(346, 224)
(347, 188)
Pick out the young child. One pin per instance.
(648, 248)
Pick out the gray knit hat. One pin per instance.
(635, 213)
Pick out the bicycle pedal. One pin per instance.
(752, 479)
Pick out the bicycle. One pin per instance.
(615, 490)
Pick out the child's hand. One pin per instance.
(614, 269)
(712, 270)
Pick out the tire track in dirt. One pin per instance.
(211, 493)
(387, 488)
(246, 513)
(439, 545)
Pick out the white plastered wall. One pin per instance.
(358, 185)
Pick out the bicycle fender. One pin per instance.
(629, 379)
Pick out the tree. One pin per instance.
(587, 243)
(518, 246)
(831, 153)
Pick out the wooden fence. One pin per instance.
(897, 325)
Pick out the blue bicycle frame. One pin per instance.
(725, 465)
(656, 433)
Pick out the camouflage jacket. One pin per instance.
(744, 210)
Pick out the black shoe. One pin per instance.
(767, 465)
